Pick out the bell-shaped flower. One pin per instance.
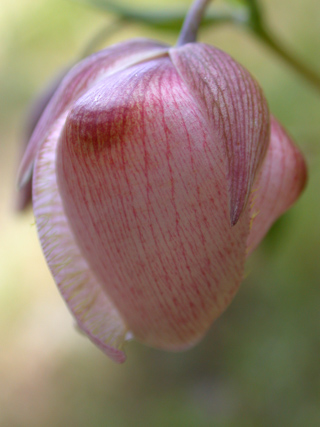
(155, 172)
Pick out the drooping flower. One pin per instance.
(155, 173)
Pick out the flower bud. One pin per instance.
(147, 160)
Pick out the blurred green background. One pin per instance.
(259, 364)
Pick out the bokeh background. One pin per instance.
(259, 364)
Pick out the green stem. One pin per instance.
(257, 25)
(294, 62)
(192, 22)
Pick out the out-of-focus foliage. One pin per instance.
(259, 365)
(171, 18)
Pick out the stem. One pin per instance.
(192, 22)
(302, 69)
(257, 25)
(250, 16)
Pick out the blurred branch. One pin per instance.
(167, 20)
(260, 29)
(293, 61)
(248, 14)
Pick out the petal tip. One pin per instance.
(235, 214)
(114, 353)
(24, 174)
(237, 207)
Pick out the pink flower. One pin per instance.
(155, 174)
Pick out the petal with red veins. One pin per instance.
(236, 109)
(279, 184)
(80, 79)
(95, 314)
(143, 185)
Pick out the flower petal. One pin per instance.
(78, 80)
(143, 185)
(280, 182)
(236, 109)
(24, 196)
(94, 313)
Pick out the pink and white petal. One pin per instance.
(79, 79)
(24, 195)
(281, 181)
(234, 105)
(143, 185)
(95, 314)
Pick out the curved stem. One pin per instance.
(192, 22)
(257, 25)
(302, 69)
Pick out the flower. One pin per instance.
(157, 170)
